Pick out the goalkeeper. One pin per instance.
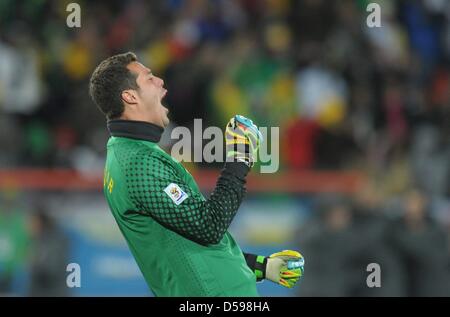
(178, 238)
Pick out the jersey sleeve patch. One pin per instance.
(175, 193)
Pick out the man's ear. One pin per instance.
(129, 96)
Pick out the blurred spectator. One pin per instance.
(327, 244)
(48, 257)
(13, 240)
(299, 143)
(422, 246)
(20, 82)
(371, 227)
(430, 156)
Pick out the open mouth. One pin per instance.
(164, 93)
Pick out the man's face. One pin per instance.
(150, 94)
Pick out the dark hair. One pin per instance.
(108, 81)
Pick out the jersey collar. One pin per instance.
(139, 130)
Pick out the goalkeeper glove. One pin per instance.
(284, 268)
(242, 139)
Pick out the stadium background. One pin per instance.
(364, 117)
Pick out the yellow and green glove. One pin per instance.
(284, 268)
(242, 139)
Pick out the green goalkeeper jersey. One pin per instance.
(178, 238)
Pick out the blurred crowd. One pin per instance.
(344, 95)
(402, 237)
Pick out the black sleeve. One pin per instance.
(200, 220)
(251, 260)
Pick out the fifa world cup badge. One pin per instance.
(175, 193)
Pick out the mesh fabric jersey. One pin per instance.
(182, 248)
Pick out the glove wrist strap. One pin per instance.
(260, 267)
